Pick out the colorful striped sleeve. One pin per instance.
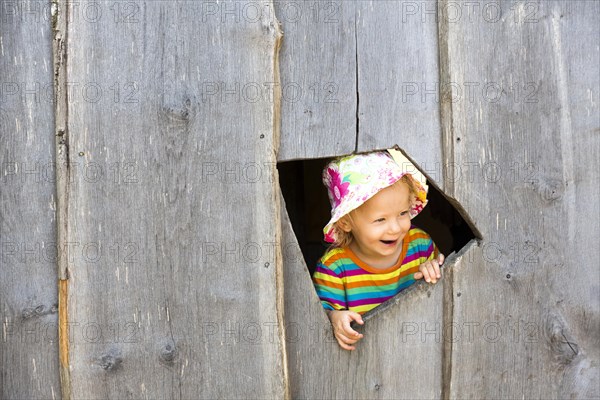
(428, 249)
(329, 287)
(421, 248)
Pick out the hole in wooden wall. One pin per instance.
(309, 210)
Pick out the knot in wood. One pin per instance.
(179, 114)
(564, 349)
(31, 312)
(551, 189)
(111, 361)
(27, 313)
(168, 353)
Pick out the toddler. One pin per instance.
(376, 251)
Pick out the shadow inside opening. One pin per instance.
(309, 210)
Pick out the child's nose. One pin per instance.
(394, 226)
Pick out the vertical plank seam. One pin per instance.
(63, 337)
(357, 81)
(447, 320)
(279, 277)
(59, 21)
(447, 127)
(445, 90)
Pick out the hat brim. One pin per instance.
(416, 208)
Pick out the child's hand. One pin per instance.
(345, 335)
(430, 270)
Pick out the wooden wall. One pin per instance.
(181, 274)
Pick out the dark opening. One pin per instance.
(309, 210)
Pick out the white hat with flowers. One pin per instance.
(354, 179)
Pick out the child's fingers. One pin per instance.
(345, 346)
(431, 271)
(428, 272)
(425, 271)
(436, 269)
(356, 317)
(347, 339)
(349, 332)
(441, 259)
(345, 342)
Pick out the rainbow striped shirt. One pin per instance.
(344, 282)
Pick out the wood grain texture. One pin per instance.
(28, 278)
(175, 296)
(309, 334)
(399, 95)
(174, 235)
(318, 78)
(407, 337)
(528, 307)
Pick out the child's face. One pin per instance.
(379, 225)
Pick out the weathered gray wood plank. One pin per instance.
(28, 278)
(309, 334)
(528, 309)
(398, 77)
(177, 297)
(399, 104)
(400, 347)
(318, 78)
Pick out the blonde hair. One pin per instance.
(344, 239)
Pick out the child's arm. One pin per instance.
(340, 321)
(430, 270)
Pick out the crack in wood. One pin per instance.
(446, 106)
(575, 352)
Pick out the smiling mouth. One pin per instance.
(389, 242)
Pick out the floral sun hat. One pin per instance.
(354, 179)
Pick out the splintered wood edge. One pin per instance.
(279, 276)
(59, 13)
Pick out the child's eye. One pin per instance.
(379, 220)
(403, 213)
